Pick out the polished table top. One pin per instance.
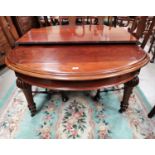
(77, 34)
(78, 62)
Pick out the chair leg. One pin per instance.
(152, 60)
(97, 96)
(152, 43)
(150, 47)
(152, 112)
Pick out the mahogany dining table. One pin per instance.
(76, 58)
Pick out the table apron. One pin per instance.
(78, 85)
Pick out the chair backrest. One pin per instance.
(61, 19)
(89, 20)
(9, 29)
(149, 32)
(123, 21)
(138, 27)
(44, 21)
(100, 20)
(142, 28)
(74, 20)
(24, 23)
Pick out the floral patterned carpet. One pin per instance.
(79, 117)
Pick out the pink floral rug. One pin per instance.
(80, 117)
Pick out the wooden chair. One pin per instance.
(9, 29)
(8, 36)
(63, 20)
(5, 47)
(24, 23)
(124, 21)
(72, 20)
(148, 32)
(43, 21)
(82, 20)
(69, 20)
(110, 21)
(138, 27)
(152, 47)
(152, 112)
(89, 20)
(142, 29)
(100, 20)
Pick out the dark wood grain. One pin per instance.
(9, 29)
(4, 46)
(76, 34)
(25, 23)
(76, 62)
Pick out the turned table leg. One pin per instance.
(27, 90)
(152, 112)
(128, 87)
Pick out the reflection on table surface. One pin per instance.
(74, 34)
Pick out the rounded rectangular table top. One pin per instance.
(80, 62)
(77, 34)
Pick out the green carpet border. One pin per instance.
(8, 95)
(142, 95)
